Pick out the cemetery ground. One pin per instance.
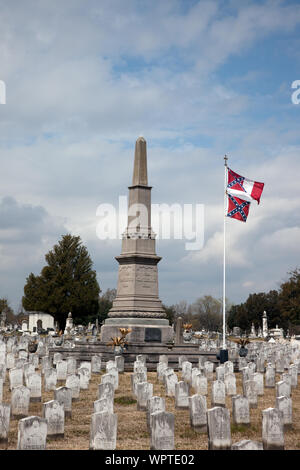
(132, 431)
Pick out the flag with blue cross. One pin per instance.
(237, 208)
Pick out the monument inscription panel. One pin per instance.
(153, 335)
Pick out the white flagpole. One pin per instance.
(224, 257)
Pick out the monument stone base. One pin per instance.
(144, 330)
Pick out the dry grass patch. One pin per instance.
(132, 425)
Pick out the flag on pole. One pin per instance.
(243, 188)
(237, 208)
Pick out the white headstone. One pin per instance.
(103, 434)
(219, 432)
(198, 413)
(32, 433)
(54, 413)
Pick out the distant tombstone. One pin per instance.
(104, 404)
(260, 364)
(20, 399)
(45, 363)
(198, 413)
(259, 383)
(163, 359)
(181, 360)
(201, 385)
(35, 387)
(28, 369)
(209, 370)
(4, 424)
(283, 389)
(108, 378)
(171, 381)
(179, 331)
(10, 361)
(32, 433)
(71, 365)
(218, 424)
(195, 374)
(50, 380)
(181, 395)
(96, 364)
(228, 365)
(2, 357)
(15, 378)
(230, 384)
(57, 357)
(23, 354)
(285, 377)
(162, 431)
(218, 393)
(139, 367)
(114, 372)
(251, 393)
(272, 429)
(220, 373)
(187, 371)
(247, 444)
(284, 404)
(119, 360)
(61, 370)
(84, 376)
(279, 365)
(154, 404)
(142, 358)
(201, 361)
(87, 365)
(103, 433)
(240, 410)
(236, 331)
(111, 364)
(161, 368)
(270, 376)
(34, 359)
(252, 368)
(242, 363)
(73, 383)
(54, 413)
(144, 391)
(106, 390)
(64, 396)
(293, 372)
(136, 377)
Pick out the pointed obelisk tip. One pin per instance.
(140, 163)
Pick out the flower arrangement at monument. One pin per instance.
(119, 343)
(242, 342)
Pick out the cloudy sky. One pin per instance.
(198, 79)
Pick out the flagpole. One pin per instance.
(224, 253)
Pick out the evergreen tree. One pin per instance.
(4, 307)
(289, 299)
(105, 304)
(66, 284)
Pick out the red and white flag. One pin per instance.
(243, 188)
(237, 208)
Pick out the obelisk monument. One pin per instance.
(137, 304)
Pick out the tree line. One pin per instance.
(68, 283)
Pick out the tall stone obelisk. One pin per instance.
(137, 304)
